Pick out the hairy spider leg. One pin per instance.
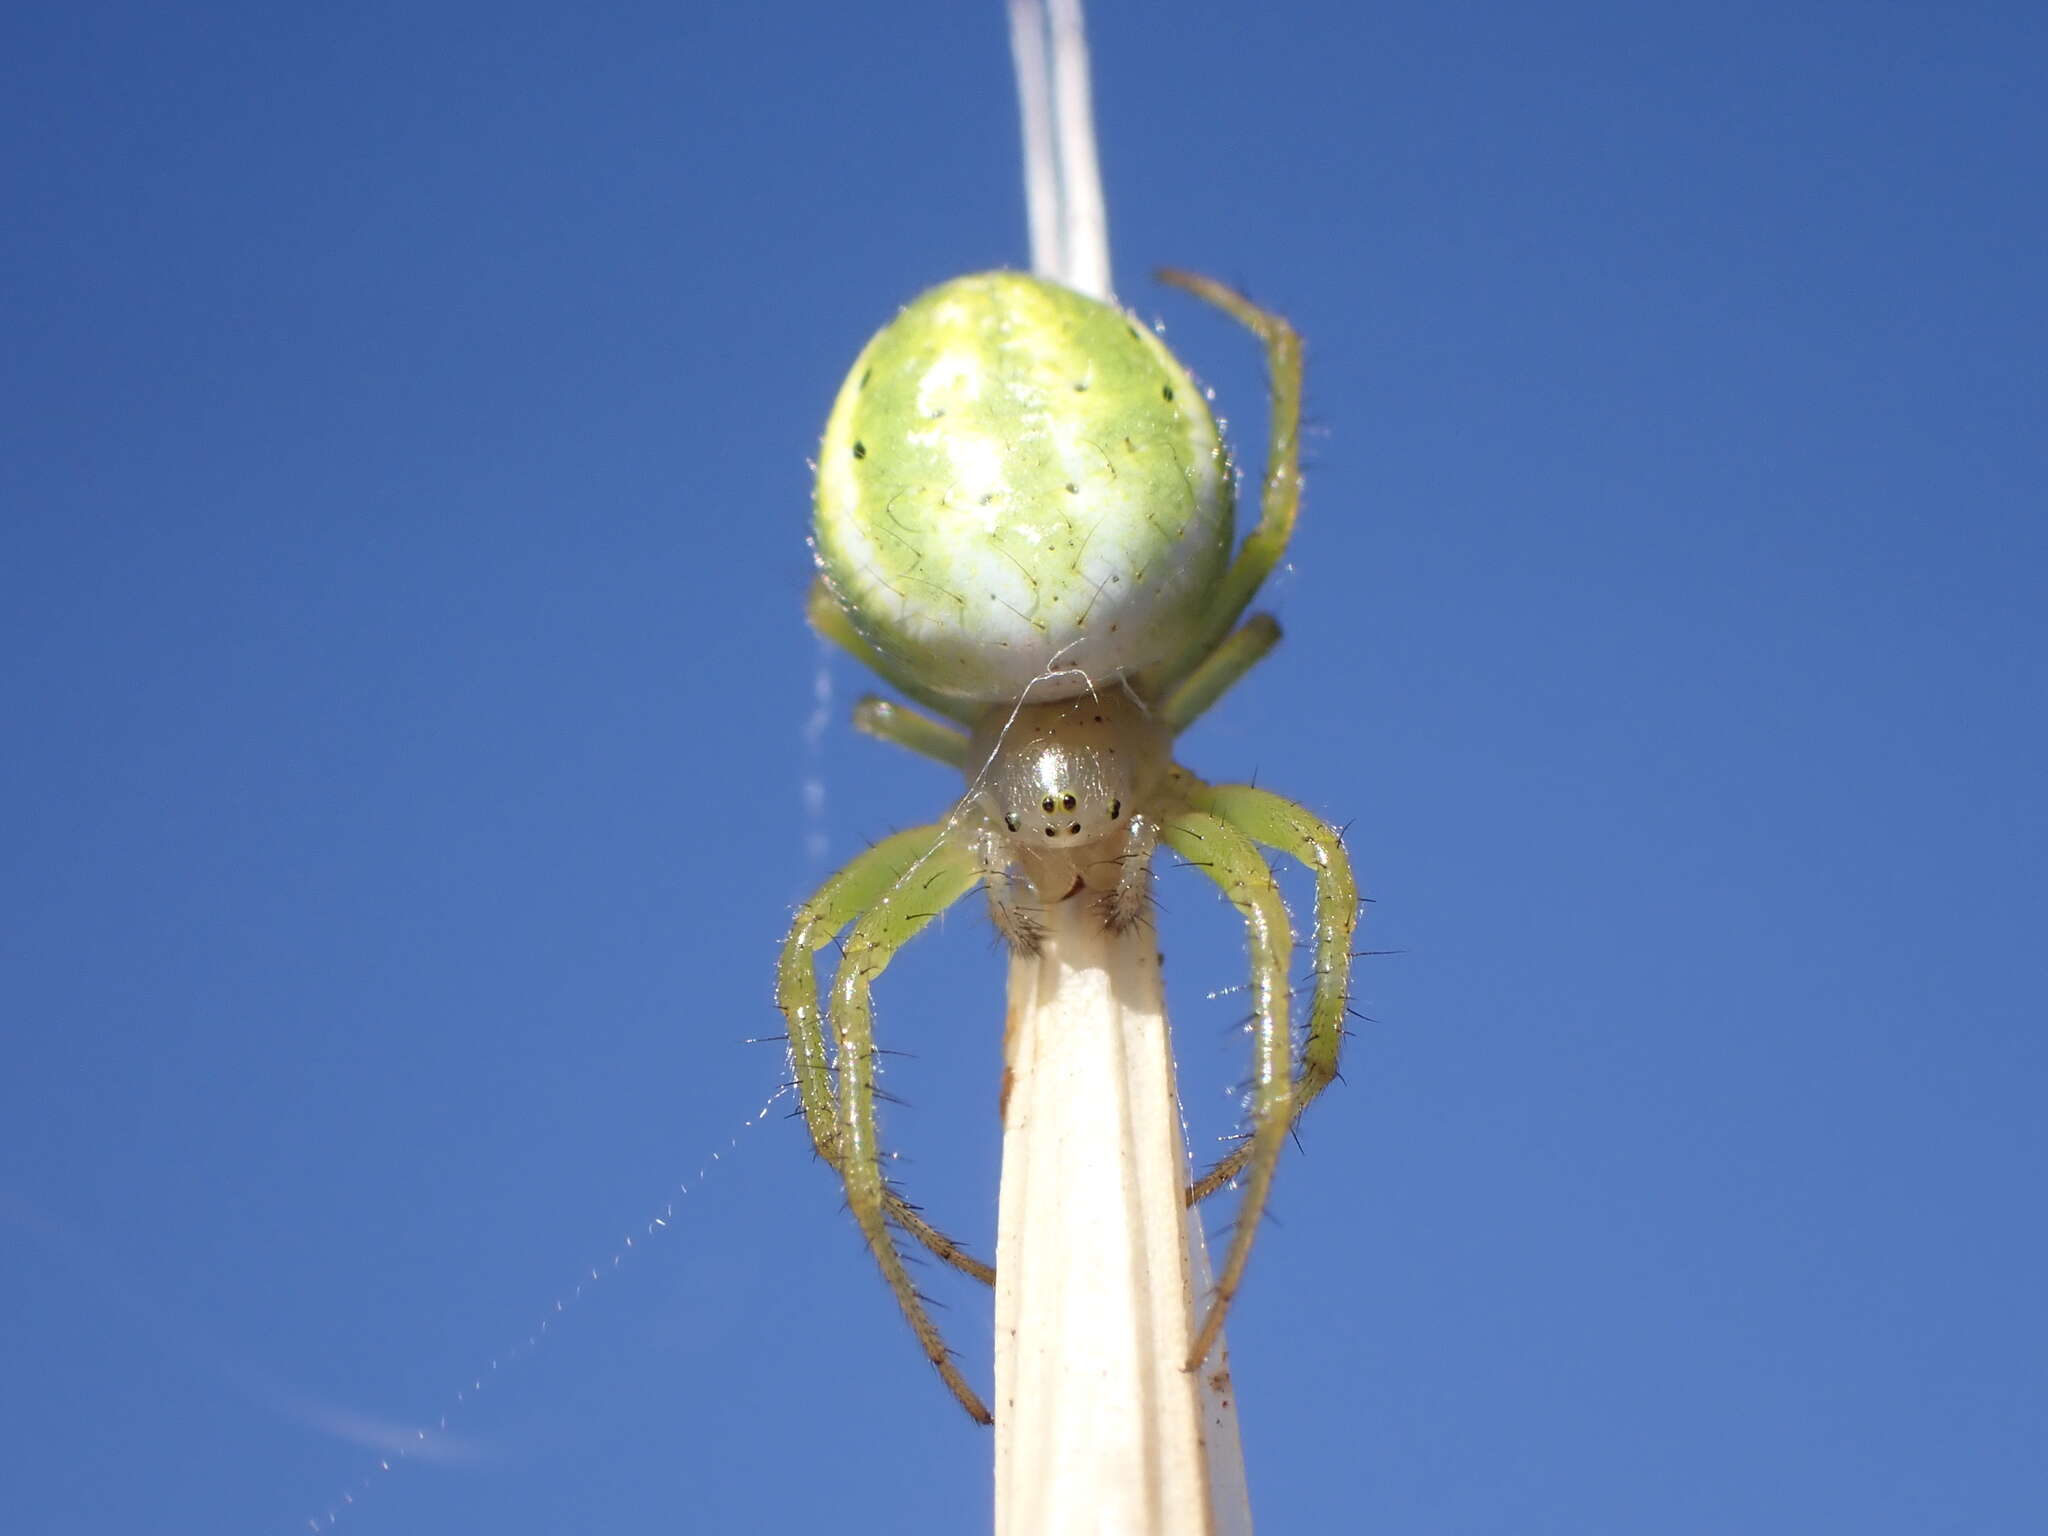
(839, 901)
(1016, 918)
(1127, 903)
(829, 619)
(1013, 904)
(1234, 862)
(1240, 651)
(948, 871)
(1280, 497)
(1280, 824)
(886, 720)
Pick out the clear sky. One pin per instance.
(402, 516)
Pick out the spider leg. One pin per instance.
(940, 1246)
(1279, 499)
(1012, 901)
(1240, 651)
(1123, 904)
(919, 893)
(1234, 862)
(836, 903)
(822, 609)
(886, 720)
(1282, 825)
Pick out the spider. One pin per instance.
(1023, 522)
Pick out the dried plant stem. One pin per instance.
(1099, 1425)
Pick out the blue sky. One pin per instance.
(401, 545)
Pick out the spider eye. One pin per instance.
(1067, 802)
(1046, 804)
(1075, 829)
(1010, 822)
(1049, 832)
(1116, 809)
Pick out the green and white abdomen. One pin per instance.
(1015, 479)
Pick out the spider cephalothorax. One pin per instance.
(1023, 522)
(1060, 789)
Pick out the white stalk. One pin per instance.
(1085, 218)
(1063, 201)
(1100, 1267)
(1041, 154)
(1100, 1428)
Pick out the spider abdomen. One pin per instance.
(1016, 479)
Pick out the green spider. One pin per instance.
(1024, 522)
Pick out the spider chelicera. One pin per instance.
(1024, 522)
